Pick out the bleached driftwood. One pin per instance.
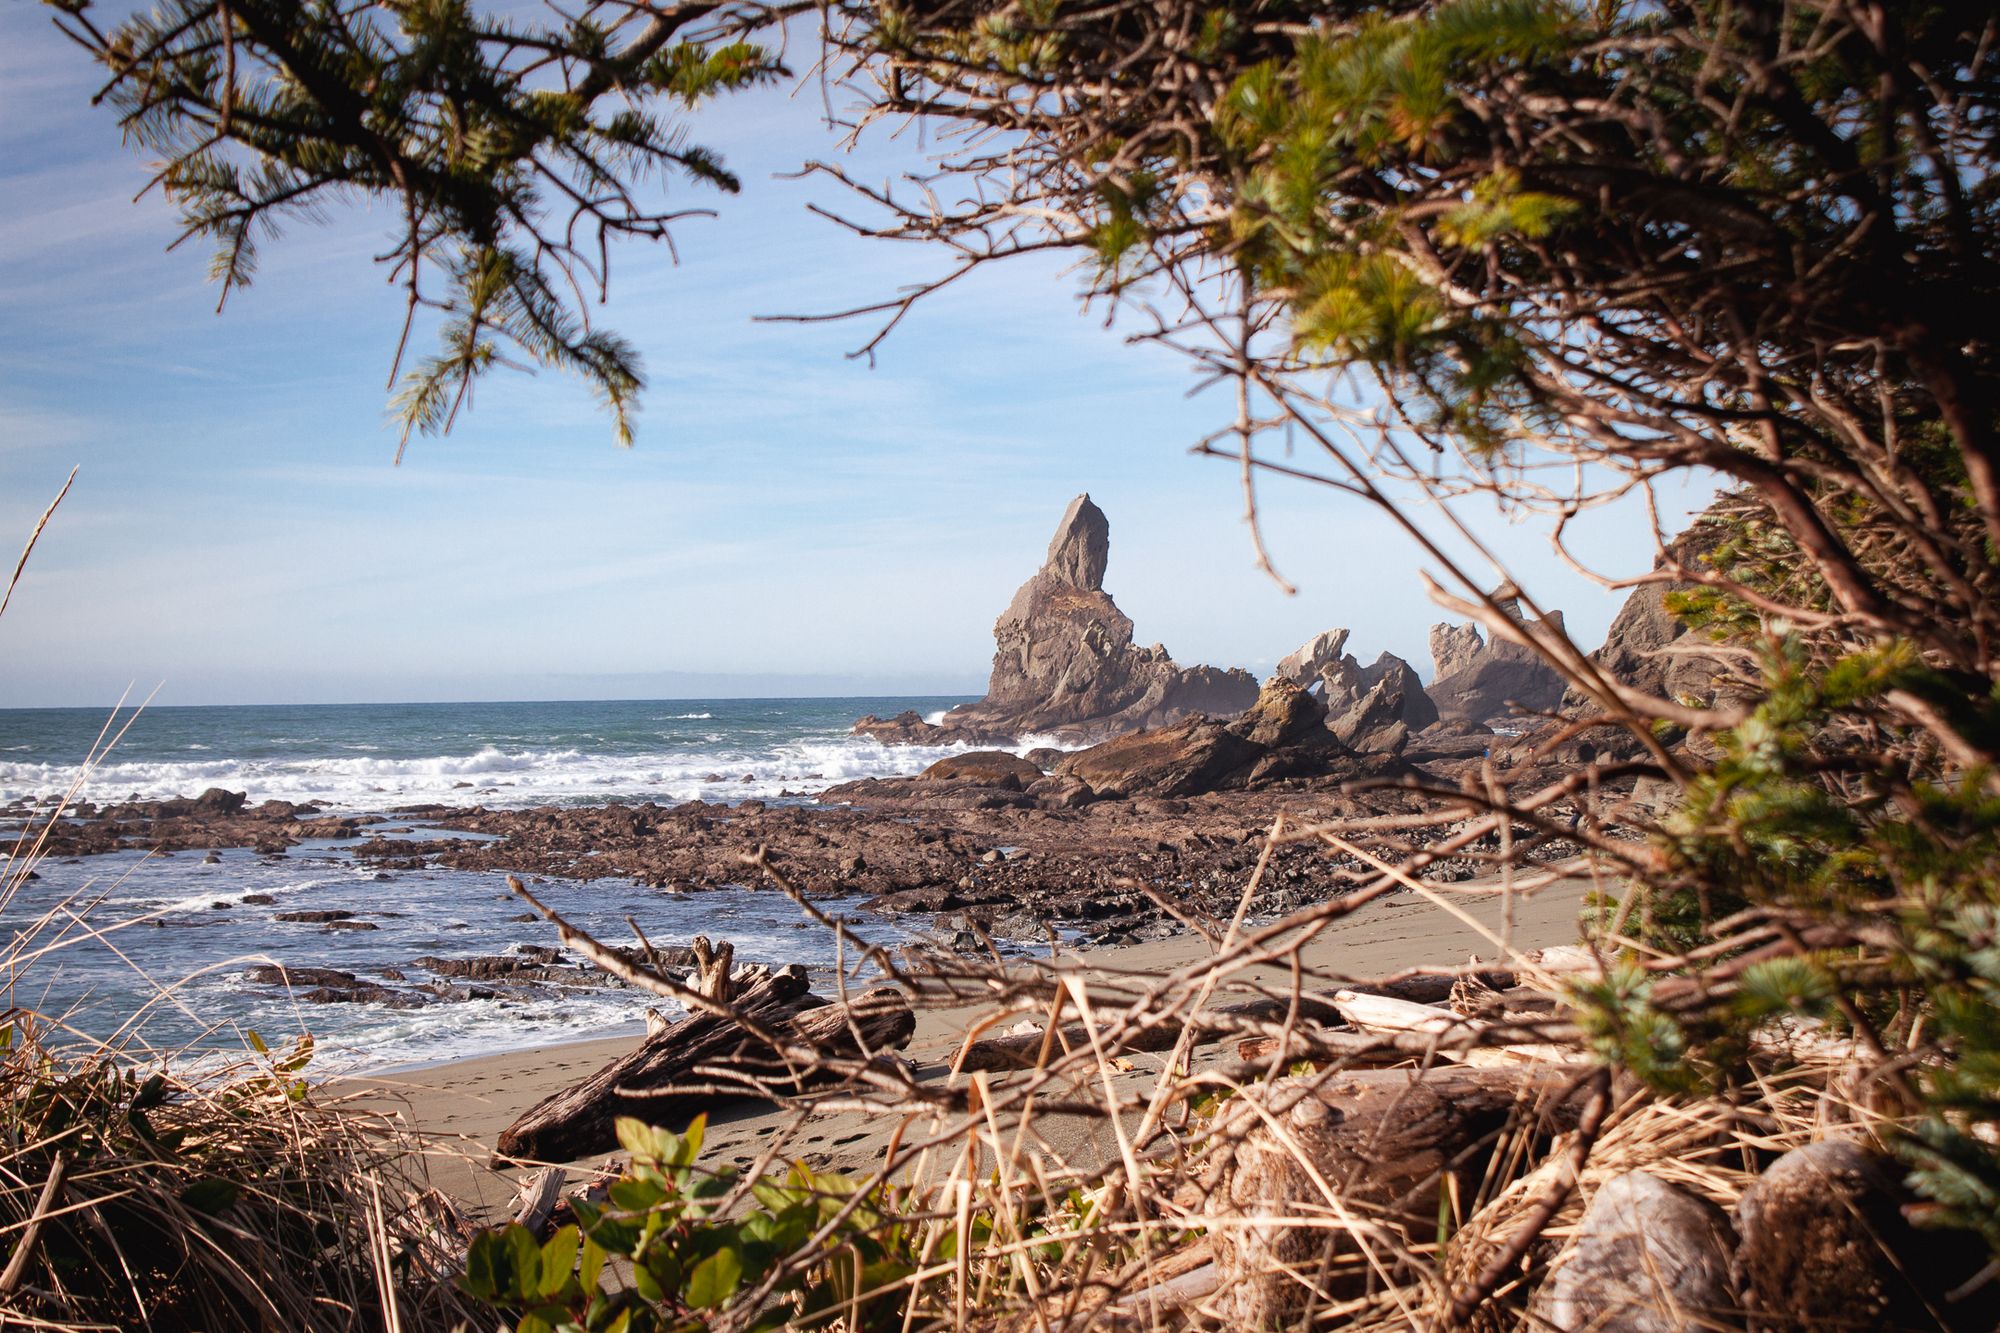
(1382, 1013)
(704, 1058)
(536, 1197)
(1024, 1050)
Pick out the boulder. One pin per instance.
(1453, 738)
(905, 728)
(1824, 1244)
(1478, 681)
(1418, 709)
(1065, 664)
(1314, 1184)
(274, 974)
(986, 768)
(1283, 735)
(1192, 756)
(1062, 792)
(1648, 1257)
(1284, 714)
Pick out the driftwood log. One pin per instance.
(1317, 1183)
(1024, 1051)
(691, 1064)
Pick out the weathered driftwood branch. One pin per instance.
(1023, 1051)
(714, 968)
(690, 1064)
(536, 1197)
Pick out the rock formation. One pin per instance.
(1323, 653)
(1647, 646)
(1478, 681)
(1283, 735)
(1064, 662)
(1373, 709)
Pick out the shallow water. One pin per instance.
(168, 920)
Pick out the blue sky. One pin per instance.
(791, 521)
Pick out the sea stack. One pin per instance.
(1064, 664)
(1372, 709)
(1482, 681)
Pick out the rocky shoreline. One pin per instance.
(1148, 830)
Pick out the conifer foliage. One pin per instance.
(512, 153)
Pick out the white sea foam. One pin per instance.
(495, 777)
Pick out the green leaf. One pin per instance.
(647, 1143)
(559, 1259)
(485, 1267)
(714, 1280)
(256, 1042)
(690, 1141)
(637, 1196)
(592, 1267)
(211, 1194)
(774, 1196)
(526, 1256)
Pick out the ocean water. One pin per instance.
(155, 948)
(370, 756)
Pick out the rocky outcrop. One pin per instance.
(1418, 710)
(1320, 654)
(216, 818)
(1064, 663)
(1481, 681)
(1196, 755)
(1372, 720)
(909, 728)
(1454, 648)
(992, 768)
(1283, 735)
(1647, 647)
(1373, 709)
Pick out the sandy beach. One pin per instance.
(461, 1106)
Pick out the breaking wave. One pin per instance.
(494, 776)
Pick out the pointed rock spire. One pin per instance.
(1081, 546)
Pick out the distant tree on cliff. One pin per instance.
(1552, 253)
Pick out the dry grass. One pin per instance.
(136, 1194)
